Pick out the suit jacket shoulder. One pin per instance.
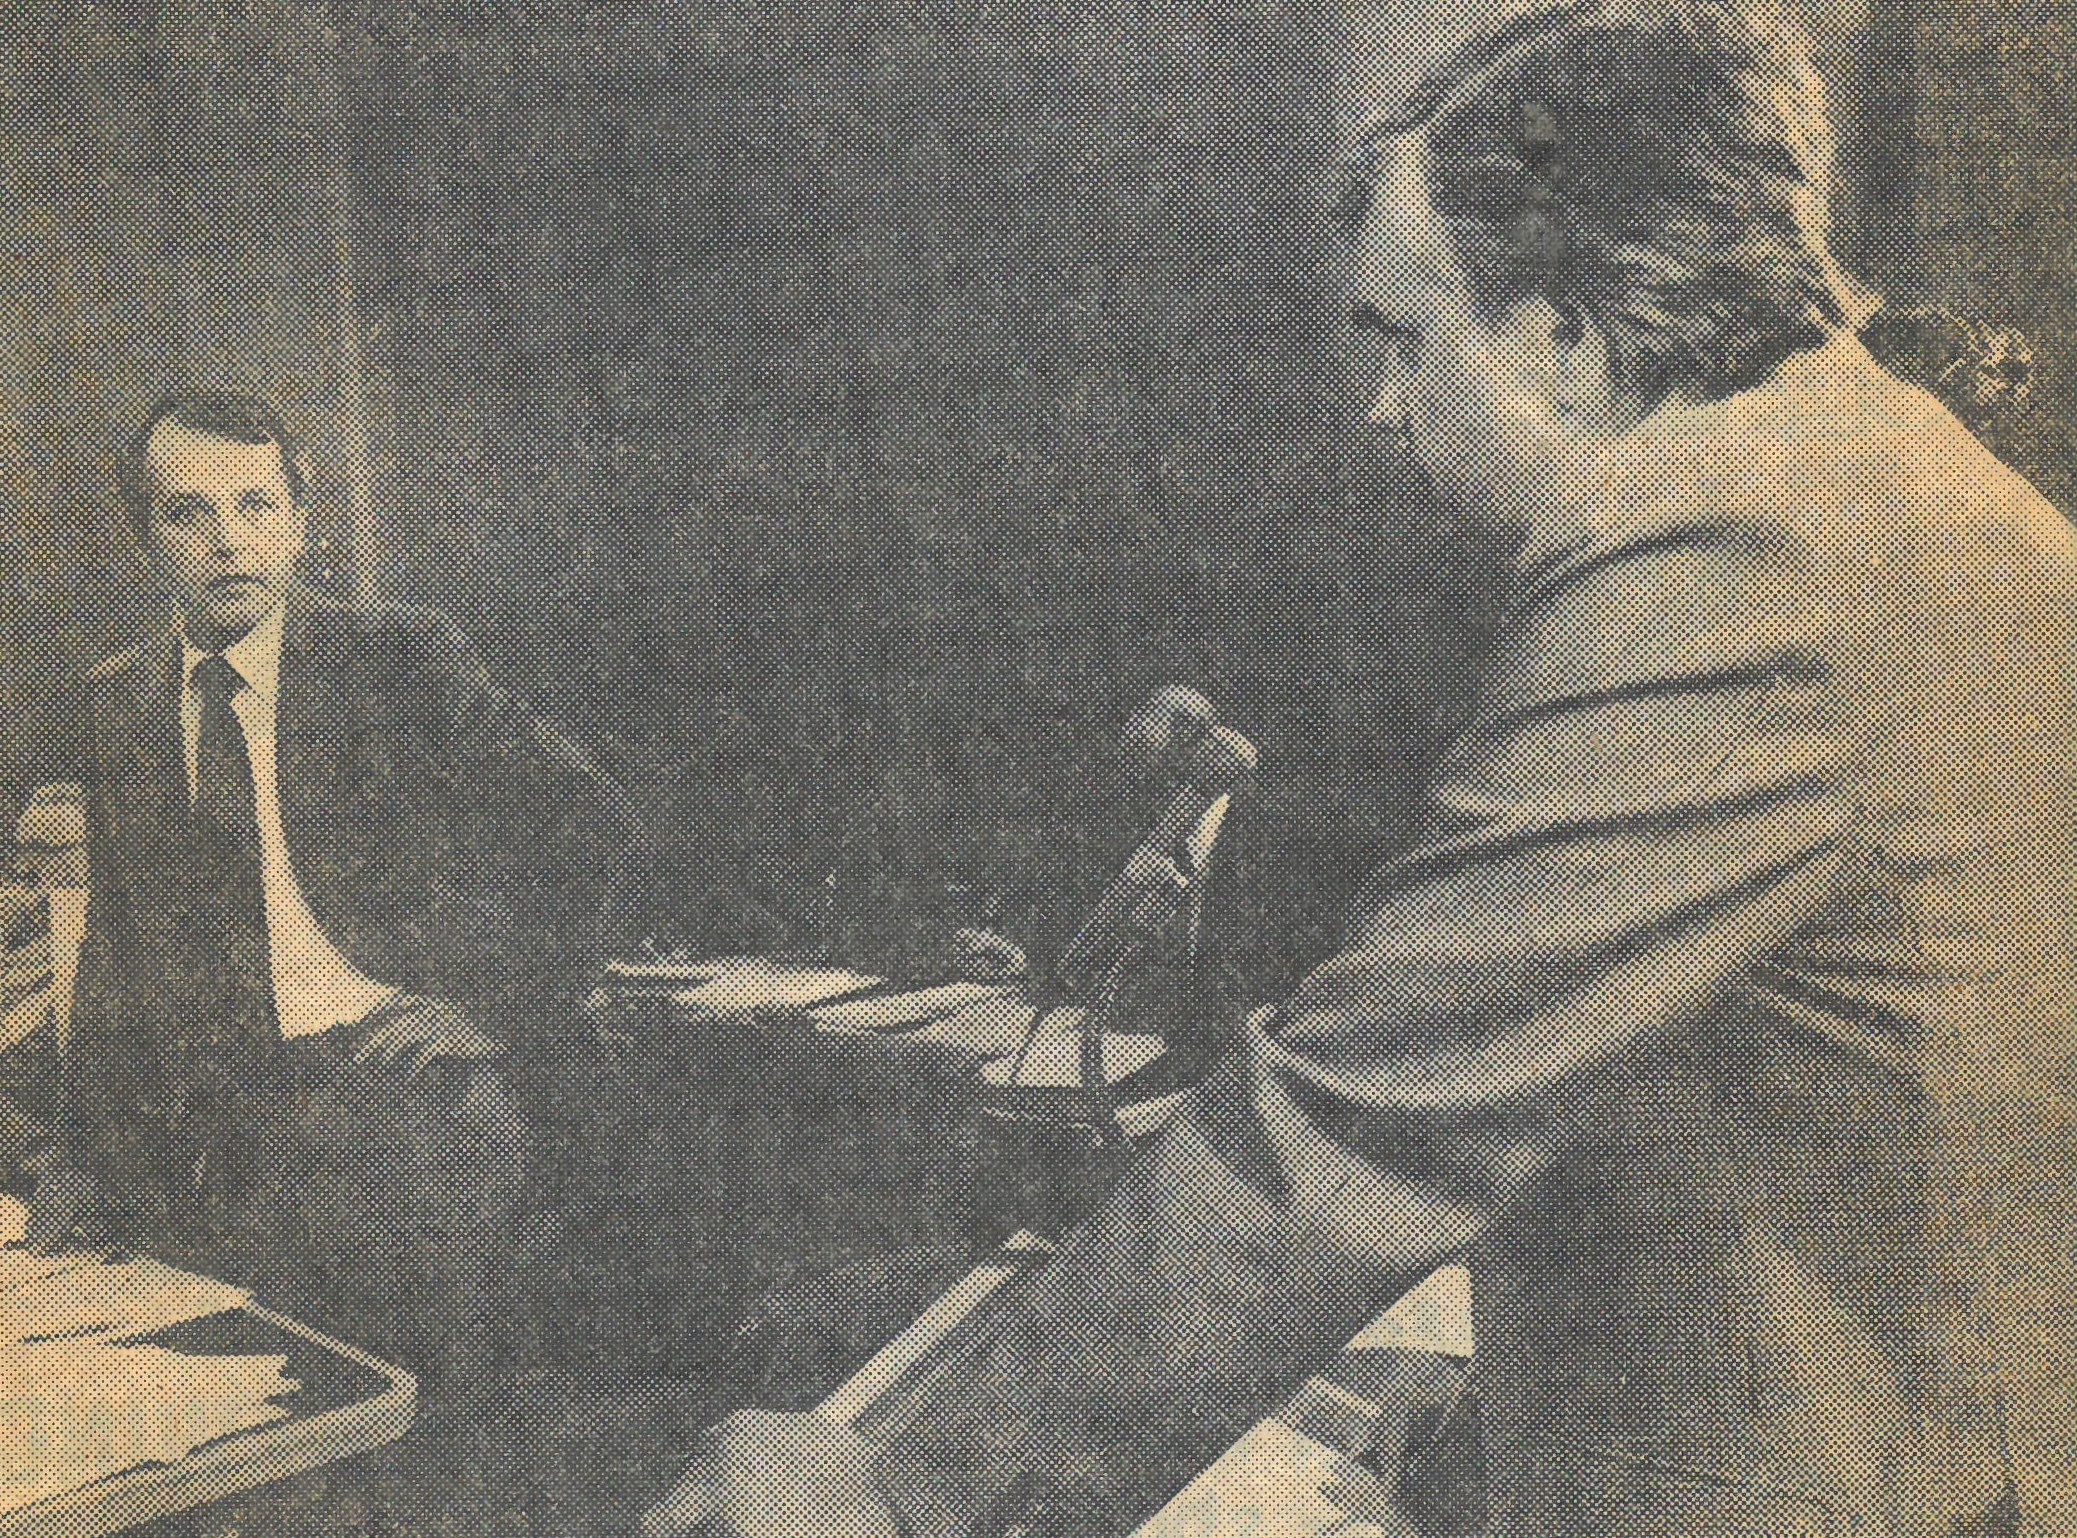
(402, 641)
(1836, 517)
(124, 662)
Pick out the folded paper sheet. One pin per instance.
(134, 1298)
(82, 1409)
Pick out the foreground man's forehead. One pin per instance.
(1403, 258)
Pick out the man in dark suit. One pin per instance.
(1722, 1015)
(344, 891)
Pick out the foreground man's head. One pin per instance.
(1590, 211)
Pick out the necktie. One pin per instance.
(224, 807)
(233, 1020)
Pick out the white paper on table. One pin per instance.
(900, 1011)
(1055, 1058)
(771, 985)
(136, 1297)
(81, 1410)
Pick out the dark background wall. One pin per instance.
(843, 413)
(1996, 142)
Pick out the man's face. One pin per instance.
(1477, 401)
(225, 531)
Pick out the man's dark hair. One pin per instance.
(1661, 169)
(217, 414)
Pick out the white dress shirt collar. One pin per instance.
(256, 655)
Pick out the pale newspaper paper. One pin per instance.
(85, 1400)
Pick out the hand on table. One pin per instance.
(760, 1474)
(422, 1032)
(65, 1211)
(983, 956)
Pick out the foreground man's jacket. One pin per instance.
(1721, 1015)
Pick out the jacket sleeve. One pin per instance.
(537, 834)
(1654, 790)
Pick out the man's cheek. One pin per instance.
(290, 551)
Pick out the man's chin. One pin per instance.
(222, 614)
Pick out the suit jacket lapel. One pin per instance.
(310, 716)
(154, 797)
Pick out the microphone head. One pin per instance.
(1163, 731)
(1220, 761)
(983, 956)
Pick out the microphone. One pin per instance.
(1166, 728)
(1176, 728)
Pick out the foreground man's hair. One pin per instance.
(1659, 169)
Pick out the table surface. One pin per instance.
(347, 1402)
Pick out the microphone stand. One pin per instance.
(1164, 879)
(1128, 945)
(1070, 1135)
(1078, 1121)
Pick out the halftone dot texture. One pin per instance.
(841, 417)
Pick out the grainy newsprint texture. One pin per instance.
(944, 767)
